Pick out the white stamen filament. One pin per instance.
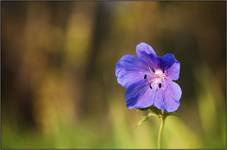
(158, 77)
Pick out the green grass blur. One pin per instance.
(122, 130)
(58, 84)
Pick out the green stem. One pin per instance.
(161, 130)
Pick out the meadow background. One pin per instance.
(58, 85)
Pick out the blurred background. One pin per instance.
(58, 84)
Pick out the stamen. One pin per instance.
(159, 85)
(145, 76)
(150, 86)
(151, 69)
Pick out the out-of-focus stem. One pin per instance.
(162, 117)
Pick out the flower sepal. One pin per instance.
(152, 112)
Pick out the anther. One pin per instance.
(150, 86)
(159, 85)
(145, 76)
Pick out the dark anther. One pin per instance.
(150, 86)
(159, 85)
(145, 76)
(153, 70)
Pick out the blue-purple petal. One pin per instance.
(168, 97)
(159, 99)
(129, 70)
(144, 48)
(167, 60)
(174, 71)
(151, 60)
(172, 96)
(139, 95)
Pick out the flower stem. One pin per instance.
(162, 117)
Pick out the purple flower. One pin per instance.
(148, 79)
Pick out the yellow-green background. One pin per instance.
(58, 85)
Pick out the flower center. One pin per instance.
(157, 79)
(159, 74)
